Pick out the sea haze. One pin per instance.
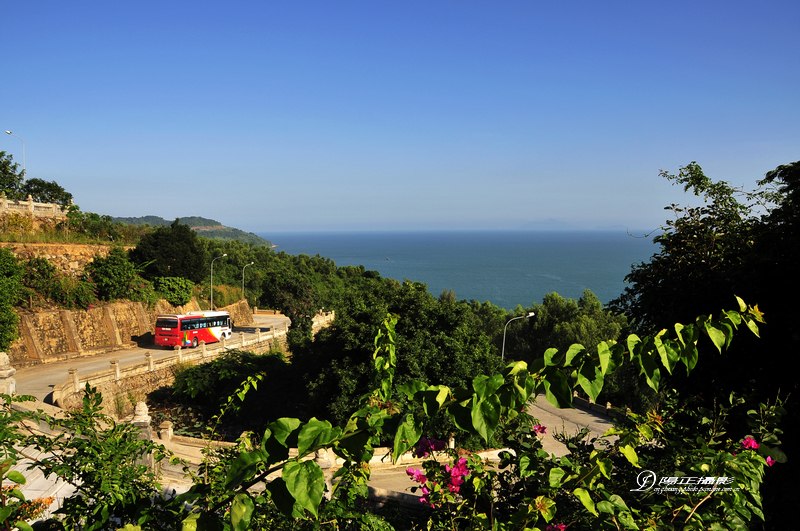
(506, 268)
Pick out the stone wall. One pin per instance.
(67, 258)
(63, 334)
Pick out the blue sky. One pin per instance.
(282, 116)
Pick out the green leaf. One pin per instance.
(486, 416)
(557, 389)
(630, 454)
(666, 349)
(487, 385)
(16, 477)
(282, 498)
(243, 467)
(573, 352)
(556, 477)
(433, 398)
(514, 367)
(282, 428)
(716, 335)
(742, 305)
(409, 430)
(305, 481)
(411, 388)
(586, 500)
(552, 358)
(24, 526)
(241, 511)
(590, 378)
(5, 512)
(316, 434)
(605, 466)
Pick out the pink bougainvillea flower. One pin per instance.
(417, 475)
(770, 461)
(556, 527)
(539, 429)
(750, 443)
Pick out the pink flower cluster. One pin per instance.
(770, 461)
(456, 477)
(457, 474)
(426, 446)
(556, 527)
(539, 429)
(750, 443)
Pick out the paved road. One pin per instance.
(39, 380)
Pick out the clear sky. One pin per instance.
(281, 116)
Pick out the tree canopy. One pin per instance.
(174, 251)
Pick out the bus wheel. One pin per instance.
(194, 342)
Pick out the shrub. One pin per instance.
(44, 282)
(177, 291)
(116, 277)
(10, 283)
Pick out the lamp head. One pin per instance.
(9, 132)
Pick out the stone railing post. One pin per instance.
(76, 386)
(203, 350)
(141, 419)
(115, 368)
(180, 355)
(148, 357)
(30, 204)
(165, 430)
(241, 337)
(223, 341)
(258, 335)
(8, 385)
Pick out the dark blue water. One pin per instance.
(506, 268)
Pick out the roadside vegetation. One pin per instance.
(435, 371)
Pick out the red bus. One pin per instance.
(190, 329)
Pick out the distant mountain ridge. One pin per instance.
(208, 228)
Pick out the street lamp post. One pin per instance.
(251, 263)
(503, 353)
(23, 152)
(212, 279)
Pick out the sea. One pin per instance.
(507, 268)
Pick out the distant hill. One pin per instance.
(208, 228)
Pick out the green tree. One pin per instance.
(174, 251)
(10, 176)
(10, 285)
(559, 323)
(46, 192)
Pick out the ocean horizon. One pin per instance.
(507, 268)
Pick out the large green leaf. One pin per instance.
(486, 416)
(243, 467)
(433, 398)
(574, 351)
(241, 511)
(316, 434)
(282, 428)
(409, 430)
(487, 385)
(16, 477)
(552, 358)
(586, 499)
(305, 481)
(557, 389)
(590, 378)
(668, 350)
